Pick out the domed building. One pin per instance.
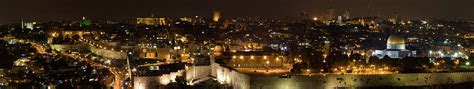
(395, 48)
(395, 42)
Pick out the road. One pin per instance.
(119, 73)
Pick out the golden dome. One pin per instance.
(393, 39)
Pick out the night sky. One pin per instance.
(53, 10)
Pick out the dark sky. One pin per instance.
(52, 10)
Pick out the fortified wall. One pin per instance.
(84, 47)
(333, 81)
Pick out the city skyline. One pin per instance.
(55, 10)
(238, 44)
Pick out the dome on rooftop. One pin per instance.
(395, 42)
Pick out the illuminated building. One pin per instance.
(395, 42)
(156, 53)
(85, 22)
(395, 48)
(147, 21)
(29, 25)
(21, 62)
(469, 36)
(162, 21)
(216, 16)
(339, 20)
(148, 77)
(471, 49)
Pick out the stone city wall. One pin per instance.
(84, 47)
(154, 82)
(332, 81)
(229, 76)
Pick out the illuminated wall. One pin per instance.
(197, 72)
(108, 53)
(228, 76)
(151, 21)
(333, 81)
(147, 21)
(83, 47)
(151, 82)
(158, 53)
(258, 61)
(77, 47)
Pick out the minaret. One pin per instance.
(22, 23)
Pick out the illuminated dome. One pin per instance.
(218, 48)
(395, 42)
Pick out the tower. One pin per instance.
(22, 23)
(346, 15)
(339, 20)
(216, 16)
(85, 22)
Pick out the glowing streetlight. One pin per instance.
(315, 18)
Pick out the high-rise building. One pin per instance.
(339, 20)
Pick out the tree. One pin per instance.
(297, 68)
